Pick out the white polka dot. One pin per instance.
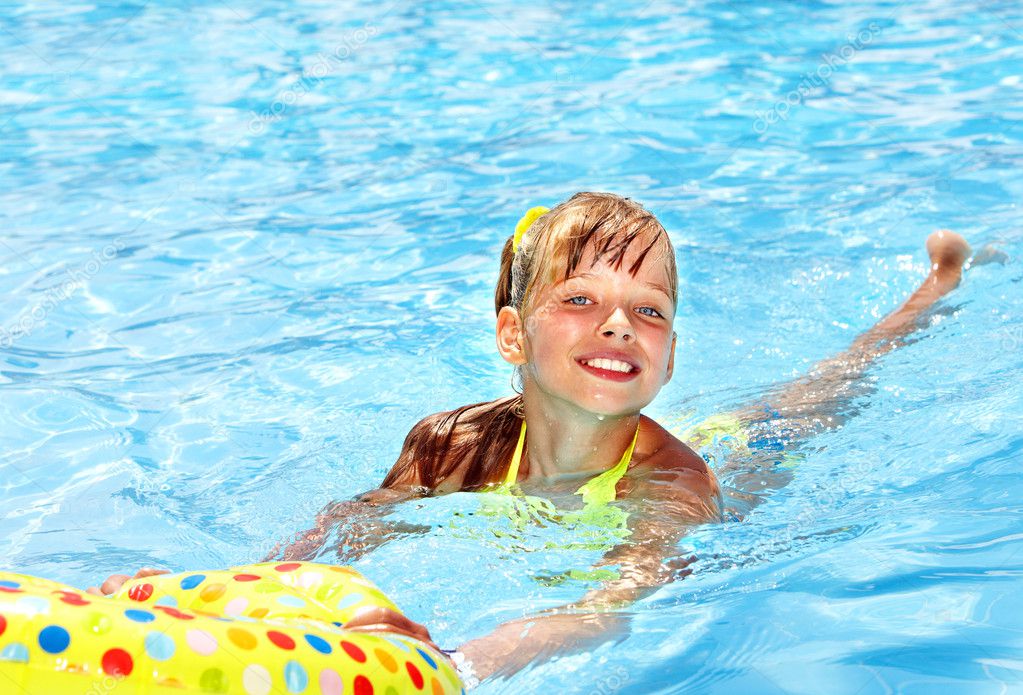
(236, 605)
(32, 605)
(201, 642)
(256, 680)
(309, 579)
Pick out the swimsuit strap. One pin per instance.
(513, 471)
(599, 490)
(602, 489)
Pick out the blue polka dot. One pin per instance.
(318, 643)
(139, 616)
(159, 646)
(192, 581)
(427, 659)
(295, 677)
(15, 652)
(293, 601)
(349, 600)
(166, 600)
(54, 639)
(7, 584)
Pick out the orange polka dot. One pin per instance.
(211, 592)
(258, 613)
(437, 689)
(387, 660)
(241, 638)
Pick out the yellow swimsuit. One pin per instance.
(599, 525)
(599, 490)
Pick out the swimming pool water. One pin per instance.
(246, 247)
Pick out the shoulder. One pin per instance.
(663, 451)
(670, 468)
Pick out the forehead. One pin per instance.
(650, 252)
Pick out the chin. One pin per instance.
(610, 407)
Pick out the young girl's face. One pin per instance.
(603, 339)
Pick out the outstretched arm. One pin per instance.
(815, 402)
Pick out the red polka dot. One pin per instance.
(281, 640)
(173, 612)
(9, 590)
(414, 674)
(363, 686)
(3, 624)
(353, 651)
(73, 599)
(247, 577)
(288, 566)
(117, 662)
(140, 592)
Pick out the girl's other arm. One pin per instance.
(361, 520)
(674, 500)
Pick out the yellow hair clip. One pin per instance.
(525, 223)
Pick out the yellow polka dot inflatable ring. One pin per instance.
(273, 627)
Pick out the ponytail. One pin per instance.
(503, 293)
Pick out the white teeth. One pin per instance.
(610, 365)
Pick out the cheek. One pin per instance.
(659, 350)
(552, 337)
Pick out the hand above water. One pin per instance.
(377, 619)
(115, 581)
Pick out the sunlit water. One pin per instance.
(246, 246)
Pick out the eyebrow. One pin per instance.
(651, 285)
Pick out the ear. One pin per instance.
(671, 357)
(511, 336)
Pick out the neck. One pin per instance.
(563, 440)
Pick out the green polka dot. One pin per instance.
(98, 624)
(325, 593)
(267, 587)
(213, 680)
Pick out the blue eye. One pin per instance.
(654, 314)
(571, 300)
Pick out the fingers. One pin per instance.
(113, 583)
(376, 619)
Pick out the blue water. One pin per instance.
(246, 247)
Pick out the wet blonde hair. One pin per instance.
(484, 434)
(553, 247)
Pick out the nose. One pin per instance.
(618, 324)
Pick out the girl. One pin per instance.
(585, 302)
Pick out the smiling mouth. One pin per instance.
(613, 370)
